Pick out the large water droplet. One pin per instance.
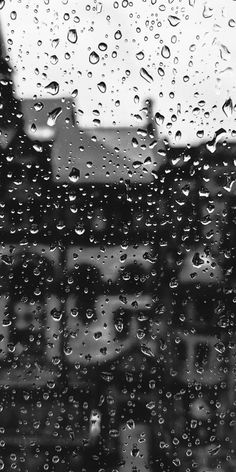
(13, 15)
(102, 46)
(2, 4)
(207, 12)
(38, 106)
(140, 55)
(228, 107)
(165, 52)
(52, 88)
(145, 75)
(72, 36)
(102, 87)
(53, 115)
(173, 20)
(159, 119)
(94, 57)
(55, 42)
(118, 34)
(74, 175)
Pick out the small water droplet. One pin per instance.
(52, 88)
(173, 20)
(94, 57)
(53, 115)
(228, 107)
(102, 87)
(74, 175)
(165, 52)
(2, 4)
(72, 36)
(145, 75)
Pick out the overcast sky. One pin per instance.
(188, 49)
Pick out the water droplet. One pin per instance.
(56, 314)
(38, 106)
(140, 55)
(94, 57)
(53, 115)
(145, 75)
(2, 4)
(173, 20)
(220, 347)
(72, 36)
(79, 229)
(55, 42)
(13, 15)
(102, 87)
(74, 93)
(74, 175)
(54, 59)
(161, 71)
(159, 119)
(224, 52)
(231, 23)
(102, 46)
(165, 52)
(119, 325)
(118, 34)
(137, 164)
(2, 465)
(214, 450)
(52, 88)
(228, 107)
(146, 350)
(178, 136)
(207, 12)
(192, 3)
(131, 424)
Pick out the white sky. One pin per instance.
(202, 47)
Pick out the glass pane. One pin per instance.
(117, 227)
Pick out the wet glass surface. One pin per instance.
(117, 236)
